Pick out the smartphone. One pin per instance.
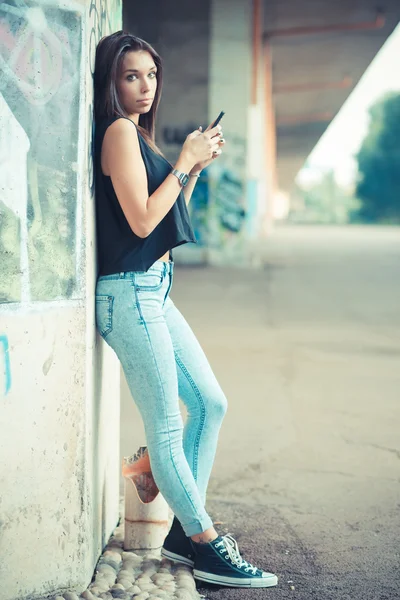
(217, 120)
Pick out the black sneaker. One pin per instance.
(177, 546)
(220, 562)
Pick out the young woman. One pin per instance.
(141, 214)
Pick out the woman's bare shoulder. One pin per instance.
(122, 126)
(120, 138)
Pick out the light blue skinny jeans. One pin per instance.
(162, 361)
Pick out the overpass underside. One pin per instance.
(281, 70)
(319, 51)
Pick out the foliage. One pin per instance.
(378, 185)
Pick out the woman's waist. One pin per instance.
(159, 266)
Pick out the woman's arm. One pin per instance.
(189, 187)
(128, 175)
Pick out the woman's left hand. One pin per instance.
(202, 165)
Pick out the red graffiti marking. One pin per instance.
(33, 57)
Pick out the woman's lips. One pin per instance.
(145, 101)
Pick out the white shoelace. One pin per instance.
(231, 547)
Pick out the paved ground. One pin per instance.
(307, 350)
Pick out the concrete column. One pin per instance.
(231, 215)
(59, 410)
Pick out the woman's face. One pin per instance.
(137, 82)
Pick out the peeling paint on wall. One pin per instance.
(40, 51)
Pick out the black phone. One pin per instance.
(217, 120)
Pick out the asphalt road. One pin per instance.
(307, 350)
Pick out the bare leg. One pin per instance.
(205, 537)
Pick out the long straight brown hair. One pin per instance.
(110, 52)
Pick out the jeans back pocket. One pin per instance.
(104, 314)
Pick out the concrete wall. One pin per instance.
(59, 414)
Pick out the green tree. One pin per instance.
(378, 185)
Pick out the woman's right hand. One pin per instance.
(199, 146)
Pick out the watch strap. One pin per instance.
(183, 177)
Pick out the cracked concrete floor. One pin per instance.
(307, 350)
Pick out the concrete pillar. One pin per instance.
(229, 90)
(59, 410)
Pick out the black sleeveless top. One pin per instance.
(118, 247)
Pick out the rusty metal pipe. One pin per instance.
(305, 87)
(310, 118)
(377, 24)
(257, 17)
(270, 138)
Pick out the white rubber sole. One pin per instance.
(235, 581)
(177, 557)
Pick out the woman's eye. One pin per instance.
(153, 74)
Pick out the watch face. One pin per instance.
(185, 179)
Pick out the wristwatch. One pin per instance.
(183, 177)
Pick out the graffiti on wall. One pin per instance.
(198, 209)
(40, 51)
(227, 209)
(41, 142)
(229, 195)
(5, 358)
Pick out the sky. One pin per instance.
(343, 138)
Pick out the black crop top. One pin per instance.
(118, 247)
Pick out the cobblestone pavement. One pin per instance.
(139, 574)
